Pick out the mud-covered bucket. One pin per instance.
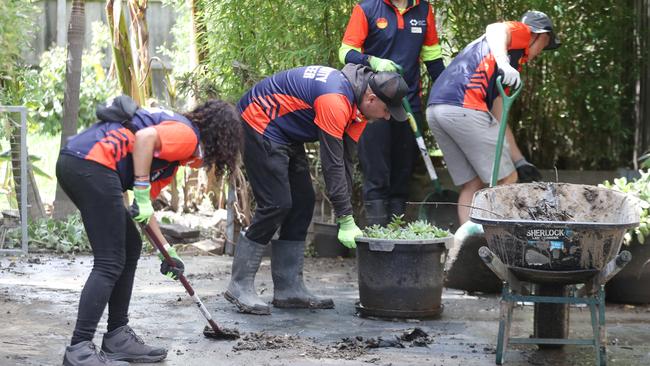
(401, 278)
(554, 226)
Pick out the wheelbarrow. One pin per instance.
(546, 239)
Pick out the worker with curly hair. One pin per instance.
(137, 149)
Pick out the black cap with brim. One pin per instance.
(539, 22)
(391, 88)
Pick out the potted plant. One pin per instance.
(401, 269)
(631, 284)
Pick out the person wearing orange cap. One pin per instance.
(464, 101)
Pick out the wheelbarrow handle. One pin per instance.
(507, 103)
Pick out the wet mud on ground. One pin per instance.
(38, 303)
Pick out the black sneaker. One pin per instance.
(124, 345)
(87, 354)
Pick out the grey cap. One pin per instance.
(390, 87)
(541, 23)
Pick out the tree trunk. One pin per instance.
(121, 49)
(62, 204)
(140, 39)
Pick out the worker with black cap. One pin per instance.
(280, 114)
(464, 104)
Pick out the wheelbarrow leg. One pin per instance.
(505, 319)
(602, 331)
(597, 309)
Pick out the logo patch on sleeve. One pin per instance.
(382, 23)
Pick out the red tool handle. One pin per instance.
(161, 248)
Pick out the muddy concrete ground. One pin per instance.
(39, 294)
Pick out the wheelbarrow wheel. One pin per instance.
(551, 320)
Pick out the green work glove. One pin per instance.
(381, 64)
(142, 199)
(348, 230)
(177, 269)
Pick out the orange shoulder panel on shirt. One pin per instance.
(115, 145)
(357, 30)
(262, 110)
(519, 36)
(177, 141)
(332, 113)
(355, 129)
(431, 38)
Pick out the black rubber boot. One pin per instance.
(241, 290)
(87, 354)
(122, 344)
(396, 207)
(289, 291)
(376, 213)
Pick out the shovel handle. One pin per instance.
(157, 242)
(424, 152)
(507, 103)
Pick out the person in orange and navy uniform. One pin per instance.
(383, 34)
(464, 101)
(281, 113)
(141, 154)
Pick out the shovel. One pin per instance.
(507, 103)
(213, 331)
(445, 216)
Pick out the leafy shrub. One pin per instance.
(639, 188)
(399, 229)
(46, 86)
(64, 236)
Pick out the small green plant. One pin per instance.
(400, 229)
(61, 236)
(639, 188)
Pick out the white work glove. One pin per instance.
(511, 76)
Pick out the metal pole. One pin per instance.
(23, 177)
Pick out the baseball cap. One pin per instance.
(541, 23)
(390, 87)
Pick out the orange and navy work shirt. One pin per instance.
(470, 80)
(379, 29)
(294, 105)
(111, 144)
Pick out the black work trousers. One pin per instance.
(281, 183)
(387, 151)
(116, 244)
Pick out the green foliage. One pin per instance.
(17, 26)
(639, 188)
(248, 40)
(399, 229)
(46, 86)
(577, 106)
(61, 236)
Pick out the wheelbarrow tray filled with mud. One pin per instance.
(559, 227)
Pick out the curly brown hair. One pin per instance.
(220, 127)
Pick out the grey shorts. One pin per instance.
(468, 140)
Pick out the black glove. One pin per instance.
(527, 172)
(169, 271)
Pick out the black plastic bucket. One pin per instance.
(326, 242)
(401, 278)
